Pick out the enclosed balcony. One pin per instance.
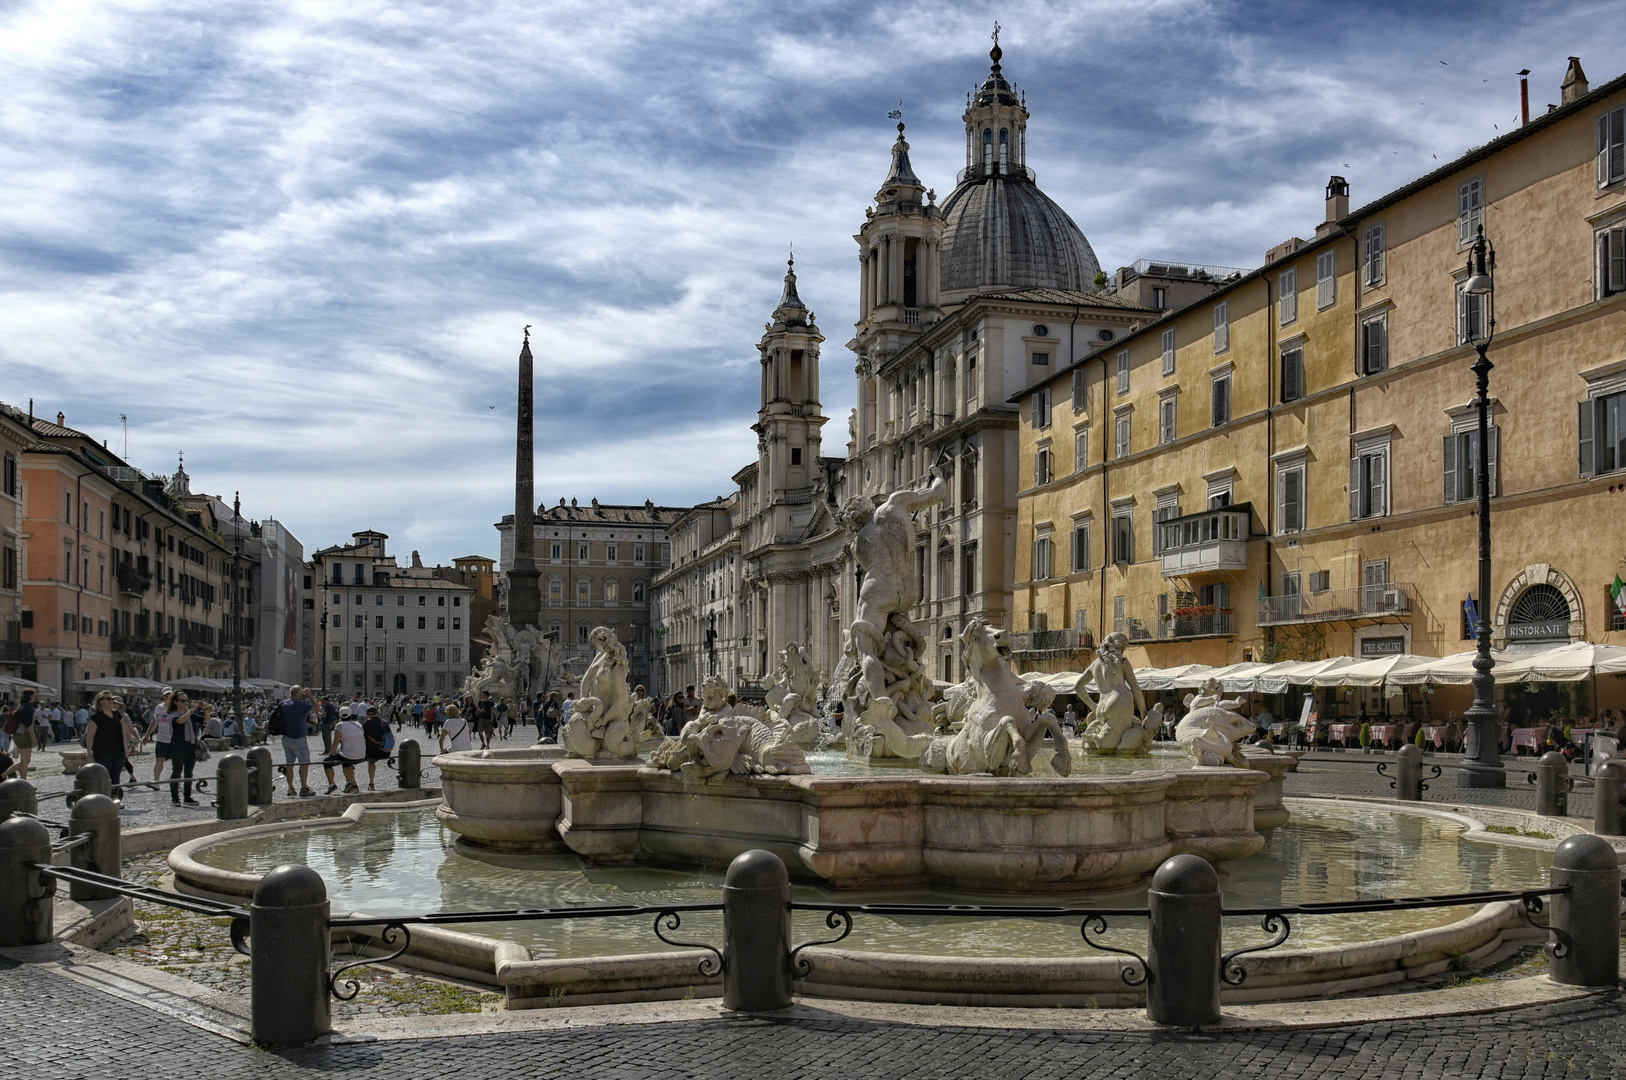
(1388, 600)
(1207, 542)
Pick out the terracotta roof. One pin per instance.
(1070, 297)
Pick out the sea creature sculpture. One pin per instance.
(600, 723)
(729, 739)
(1113, 727)
(1213, 730)
(998, 732)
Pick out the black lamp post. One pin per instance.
(1481, 760)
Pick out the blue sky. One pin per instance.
(298, 241)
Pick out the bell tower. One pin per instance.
(790, 416)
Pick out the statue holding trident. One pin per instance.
(885, 684)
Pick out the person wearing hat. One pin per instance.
(376, 734)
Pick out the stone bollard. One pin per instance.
(25, 894)
(231, 788)
(91, 779)
(756, 933)
(97, 815)
(290, 952)
(17, 794)
(1409, 773)
(1183, 944)
(1553, 785)
(409, 764)
(262, 782)
(1609, 784)
(1589, 914)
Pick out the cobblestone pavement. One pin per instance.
(56, 1029)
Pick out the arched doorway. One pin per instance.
(1539, 609)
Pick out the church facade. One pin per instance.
(962, 306)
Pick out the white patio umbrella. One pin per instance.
(1567, 663)
(1303, 672)
(118, 682)
(13, 683)
(1370, 672)
(1454, 670)
(199, 683)
(1170, 678)
(1250, 678)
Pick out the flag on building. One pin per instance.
(1471, 612)
(1617, 593)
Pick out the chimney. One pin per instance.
(417, 561)
(1337, 199)
(1575, 85)
(1524, 96)
(61, 420)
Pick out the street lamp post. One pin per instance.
(1482, 761)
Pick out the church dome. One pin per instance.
(1003, 232)
(1000, 230)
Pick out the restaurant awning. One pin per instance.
(1370, 672)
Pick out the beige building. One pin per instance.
(16, 655)
(700, 624)
(386, 629)
(597, 564)
(1285, 468)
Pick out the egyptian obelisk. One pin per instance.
(524, 588)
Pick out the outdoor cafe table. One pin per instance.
(1341, 733)
(1385, 733)
(1435, 735)
(1525, 736)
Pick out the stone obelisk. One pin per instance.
(524, 588)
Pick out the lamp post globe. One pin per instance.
(1481, 765)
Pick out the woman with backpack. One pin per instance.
(379, 743)
(20, 726)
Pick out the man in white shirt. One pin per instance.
(349, 750)
(454, 732)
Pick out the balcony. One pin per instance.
(1197, 623)
(673, 650)
(1208, 542)
(1386, 601)
(16, 652)
(140, 643)
(133, 581)
(1049, 643)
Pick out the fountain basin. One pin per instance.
(895, 830)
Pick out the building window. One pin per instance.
(1168, 355)
(612, 591)
(440, 655)
(1375, 344)
(1369, 481)
(1611, 261)
(1041, 556)
(968, 569)
(582, 589)
(581, 633)
(358, 621)
(1470, 315)
(1081, 547)
(556, 552)
(422, 600)
(400, 599)
(1120, 436)
(422, 623)
(1372, 254)
(457, 653)
(1288, 283)
(361, 654)
(1117, 614)
(400, 654)
(581, 552)
(440, 622)
(1081, 449)
(1123, 536)
(1290, 498)
(796, 455)
(1326, 279)
(1602, 423)
(14, 482)
(610, 551)
(1168, 508)
(457, 623)
(1041, 466)
(1611, 147)
(378, 654)
(422, 652)
(1160, 297)
(338, 653)
(378, 622)
(1166, 410)
(1222, 327)
(1123, 371)
(1081, 391)
(1461, 458)
(1041, 358)
(1292, 374)
(1470, 211)
(1041, 408)
(637, 592)
(556, 589)
(1221, 400)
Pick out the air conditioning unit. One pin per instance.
(1394, 600)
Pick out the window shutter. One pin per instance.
(1354, 487)
(1490, 468)
(1293, 508)
(1072, 554)
(1380, 344)
(1603, 149)
(1129, 539)
(1615, 260)
(1586, 451)
(1380, 470)
(1038, 468)
(1033, 416)
(1081, 391)
(1450, 457)
(1617, 144)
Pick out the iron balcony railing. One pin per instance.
(16, 652)
(1391, 600)
(1032, 641)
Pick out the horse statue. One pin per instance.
(997, 733)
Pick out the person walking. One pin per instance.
(291, 721)
(454, 733)
(547, 718)
(350, 750)
(104, 734)
(505, 720)
(377, 737)
(484, 720)
(676, 715)
(159, 728)
(20, 726)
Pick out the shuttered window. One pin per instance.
(1290, 499)
(1222, 401)
(1041, 557)
(1081, 449)
(1470, 210)
(1168, 353)
(1326, 279)
(1602, 434)
(1292, 374)
(1470, 316)
(1460, 455)
(1372, 254)
(1165, 421)
(1041, 466)
(1612, 147)
(1289, 285)
(1120, 441)
(1123, 371)
(1369, 483)
(1041, 408)
(1123, 538)
(1611, 262)
(1081, 548)
(1081, 391)
(1374, 345)
(1222, 327)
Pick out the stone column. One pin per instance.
(863, 285)
(895, 258)
(883, 292)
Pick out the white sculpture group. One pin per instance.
(729, 739)
(1000, 719)
(1212, 731)
(601, 722)
(523, 662)
(1113, 726)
